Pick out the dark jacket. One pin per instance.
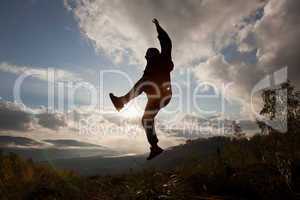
(159, 67)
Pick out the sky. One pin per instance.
(222, 50)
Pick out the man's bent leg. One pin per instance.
(137, 89)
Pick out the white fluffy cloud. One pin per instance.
(123, 29)
(14, 117)
(83, 125)
(275, 38)
(39, 73)
(277, 34)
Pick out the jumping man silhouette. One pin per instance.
(156, 83)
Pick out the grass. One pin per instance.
(264, 167)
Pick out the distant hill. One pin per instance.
(72, 143)
(17, 141)
(172, 157)
(52, 149)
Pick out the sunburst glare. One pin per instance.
(131, 111)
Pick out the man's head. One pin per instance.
(151, 53)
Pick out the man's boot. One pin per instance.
(155, 151)
(117, 101)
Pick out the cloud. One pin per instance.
(122, 29)
(84, 127)
(71, 143)
(52, 120)
(39, 73)
(14, 117)
(111, 131)
(274, 36)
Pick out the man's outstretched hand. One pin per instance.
(155, 21)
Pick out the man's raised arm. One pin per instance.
(164, 39)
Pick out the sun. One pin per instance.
(130, 111)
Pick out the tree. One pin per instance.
(282, 106)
